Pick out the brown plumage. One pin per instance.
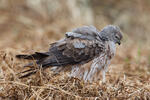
(80, 46)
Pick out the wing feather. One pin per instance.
(85, 32)
(79, 47)
(75, 51)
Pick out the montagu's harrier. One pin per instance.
(79, 47)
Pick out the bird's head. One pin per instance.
(111, 33)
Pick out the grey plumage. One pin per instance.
(79, 47)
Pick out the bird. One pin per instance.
(82, 45)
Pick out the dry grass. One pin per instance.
(128, 76)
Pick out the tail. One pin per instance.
(44, 60)
(36, 56)
(32, 69)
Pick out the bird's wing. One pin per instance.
(85, 32)
(78, 47)
(72, 51)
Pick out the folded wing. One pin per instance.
(79, 47)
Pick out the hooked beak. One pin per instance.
(118, 42)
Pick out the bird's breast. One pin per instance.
(111, 49)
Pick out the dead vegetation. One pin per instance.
(29, 26)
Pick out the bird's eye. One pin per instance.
(117, 37)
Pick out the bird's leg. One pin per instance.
(103, 75)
